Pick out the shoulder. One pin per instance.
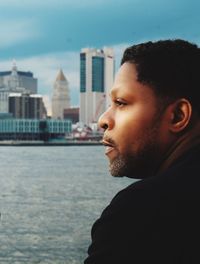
(147, 215)
(130, 222)
(133, 205)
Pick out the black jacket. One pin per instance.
(155, 220)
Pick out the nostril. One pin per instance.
(105, 120)
(105, 126)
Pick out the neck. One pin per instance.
(181, 146)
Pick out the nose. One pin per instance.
(106, 120)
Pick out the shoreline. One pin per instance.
(51, 144)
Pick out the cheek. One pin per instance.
(132, 122)
(132, 129)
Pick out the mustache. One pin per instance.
(109, 141)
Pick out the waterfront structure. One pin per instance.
(33, 129)
(72, 114)
(15, 81)
(6, 115)
(23, 105)
(96, 78)
(60, 98)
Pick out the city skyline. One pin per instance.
(43, 38)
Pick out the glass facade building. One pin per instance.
(97, 74)
(82, 73)
(33, 129)
(96, 78)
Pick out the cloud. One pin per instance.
(17, 31)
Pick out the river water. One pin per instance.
(49, 198)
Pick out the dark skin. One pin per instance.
(136, 134)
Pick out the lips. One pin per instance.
(109, 146)
(108, 150)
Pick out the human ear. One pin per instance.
(181, 112)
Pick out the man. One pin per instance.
(152, 132)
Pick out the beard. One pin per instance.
(140, 163)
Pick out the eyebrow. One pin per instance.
(113, 91)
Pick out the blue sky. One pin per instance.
(45, 35)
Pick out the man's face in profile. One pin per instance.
(133, 131)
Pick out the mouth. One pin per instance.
(109, 146)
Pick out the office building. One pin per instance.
(96, 78)
(60, 98)
(26, 106)
(15, 81)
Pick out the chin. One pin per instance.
(119, 172)
(119, 168)
(137, 166)
(116, 174)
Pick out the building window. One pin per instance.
(97, 74)
(83, 73)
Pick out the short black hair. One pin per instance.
(170, 67)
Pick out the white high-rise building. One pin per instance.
(15, 81)
(96, 79)
(61, 98)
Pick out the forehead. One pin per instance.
(126, 72)
(126, 83)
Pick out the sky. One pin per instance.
(43, 36)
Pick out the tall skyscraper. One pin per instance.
(96, 78)
(61, 98)
(15, 81)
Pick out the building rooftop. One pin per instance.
(61, 76)
(21, 73)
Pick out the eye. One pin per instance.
(119, 102)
